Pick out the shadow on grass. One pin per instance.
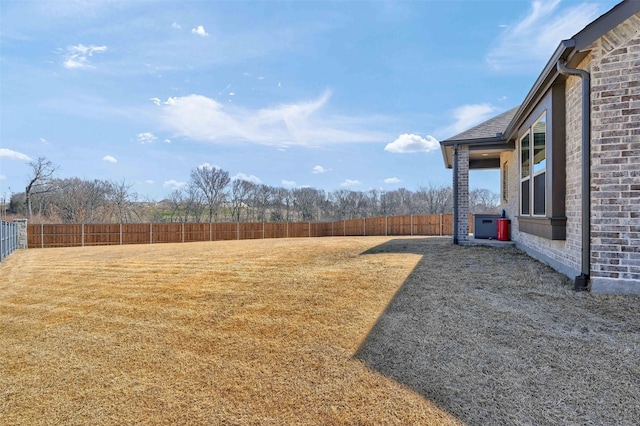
(495, 337)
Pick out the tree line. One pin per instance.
(211, 195)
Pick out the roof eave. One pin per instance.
(544, 80)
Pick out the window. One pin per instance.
(541, 167)
(533, 168)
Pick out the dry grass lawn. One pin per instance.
(238, 332)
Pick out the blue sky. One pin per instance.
(331, 95)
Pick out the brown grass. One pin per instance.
(237, 332)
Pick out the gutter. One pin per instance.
(582, 281)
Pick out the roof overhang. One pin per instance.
(570, 52)
(483, 153)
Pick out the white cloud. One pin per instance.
(174, 184)
(409, 143)
(146, 137)
(13, 155)
(199, 30)
(467, 116)
(526, 45)
(200, 118)
(176, 26)
(109, 158)
(156, 101)
(167, 141)
(350, 182)
(78, 56)
(320, 169)
(248, 178)
(392, 180)
(288, 183)
(44, 141)
(3, 177)
(149, 181)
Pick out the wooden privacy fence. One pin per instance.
(70, 235)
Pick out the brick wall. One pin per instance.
(614, 64)
(463, 194)
(615, 167)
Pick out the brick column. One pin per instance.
(462, 185)
(22, 233)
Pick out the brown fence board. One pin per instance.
(69, 235)
(197, 232)
(101, 234)
(34, 236)
(399, 225)
(354, 227)
(376, 226)
(427, 224)
(136, 233)
(299, 229)
(62, 235)
(226, 231)
(167, 232)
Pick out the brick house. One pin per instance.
(569, 157)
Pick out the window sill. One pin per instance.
(551, 228)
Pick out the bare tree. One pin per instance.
(81, 201)
(434, 199)
(262, 200)
(40, 181)
(308, 202)
(121, 198)
(176, 204)
(483, 200)
(212, 181)
(194, 203)
(240, 193)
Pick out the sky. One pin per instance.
(329, 94)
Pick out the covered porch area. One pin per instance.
(478, 148)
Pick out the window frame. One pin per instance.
(551, 224)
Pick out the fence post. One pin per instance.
(120, 233)
(183, 232)
(386, 226)
(210, 232)
(263, 229)
(309, 229)
(83, 235)
(42, 235)
(238, 230)
(364, 227)
(412, 225)
(151, 233)
(287, 233)
(441, 224)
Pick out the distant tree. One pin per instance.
(42, 171)
(261, 200)
(434, 199)
(121, 200)
(308, 202)
(240, 194)
(194, 203)
(81, 201)
(483, 200)
(176, 205)
(212, 181)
